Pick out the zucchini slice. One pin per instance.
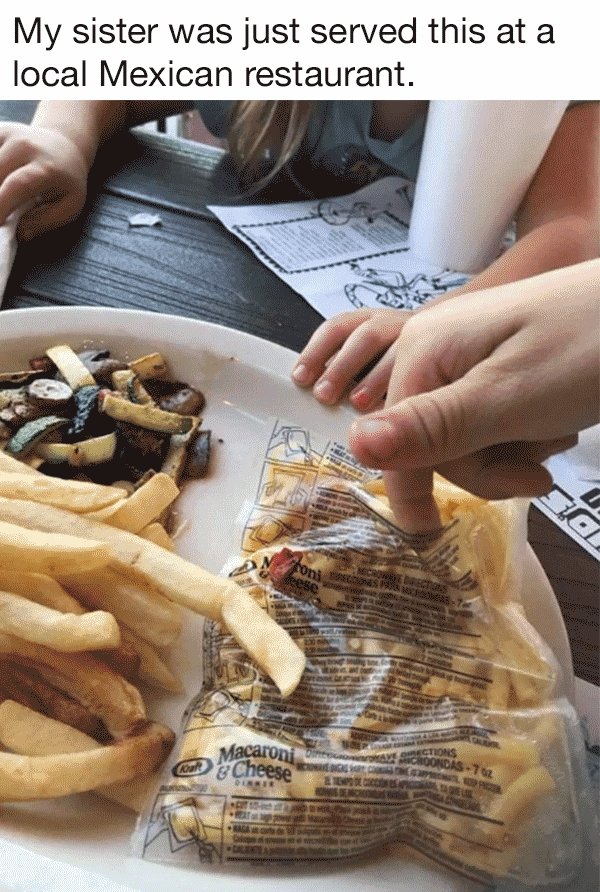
(70, 366)
(18, 379)
(176, 457)
(86, 400)
(129, 385)
(120, 380)
(151, 366)
(145, 415)
(136, 391)
(95, 451)
(32, 432)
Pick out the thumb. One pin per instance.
(430, 428)
(408, 439)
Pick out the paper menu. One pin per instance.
(573, 503)
(343, 253)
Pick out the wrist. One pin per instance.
(85, 124)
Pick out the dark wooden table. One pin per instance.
(192, 267)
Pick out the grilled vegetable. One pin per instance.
(88, 416)
(175, 459)
(140, 450)
(101, 365)
(70, 366)
(16, 408)
(151, 366)
(127, 383)
(18, 379)
(88, 452)
(50, 394)
(198, 456)
(185, 401)
(136, 391)
(42, 364)
(32, 433)
(145, 415)
(86, 408)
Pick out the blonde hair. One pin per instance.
(266, 131)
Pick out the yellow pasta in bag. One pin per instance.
(419, 719)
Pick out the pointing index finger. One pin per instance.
(411, 499)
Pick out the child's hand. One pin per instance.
(341, 348)
(41, 166)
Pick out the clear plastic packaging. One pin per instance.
(429, 714)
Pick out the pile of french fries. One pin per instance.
(91, 590)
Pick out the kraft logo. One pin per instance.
(192, 767)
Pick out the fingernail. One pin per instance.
(300, 374)
(323, 390)
(380, 435)
(361, 398)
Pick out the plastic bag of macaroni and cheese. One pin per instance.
(431, 714)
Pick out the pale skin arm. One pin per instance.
(557, 225)
(47, 163)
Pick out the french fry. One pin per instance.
(29, 733)
(11, 465)
(25, 685)
(86, 679)
(268, 643)
(177, 579)
(11, 687)
(104, 514)
(66, 632)
(41, 589)
(75, 495)
(376, 486)
(180, 580)
(132, 600)
(49, 552)
(123, 659)
(151, 669)
(156, 533)
(143, 505)
(46, 591)
(24, 778)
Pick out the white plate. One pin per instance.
(82, 843)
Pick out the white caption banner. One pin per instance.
(98, 50)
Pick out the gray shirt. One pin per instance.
(338, 153)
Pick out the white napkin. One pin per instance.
(8, 249)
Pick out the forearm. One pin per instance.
(87, 124)
(558, 243)
(558, 223)
(90, 123)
